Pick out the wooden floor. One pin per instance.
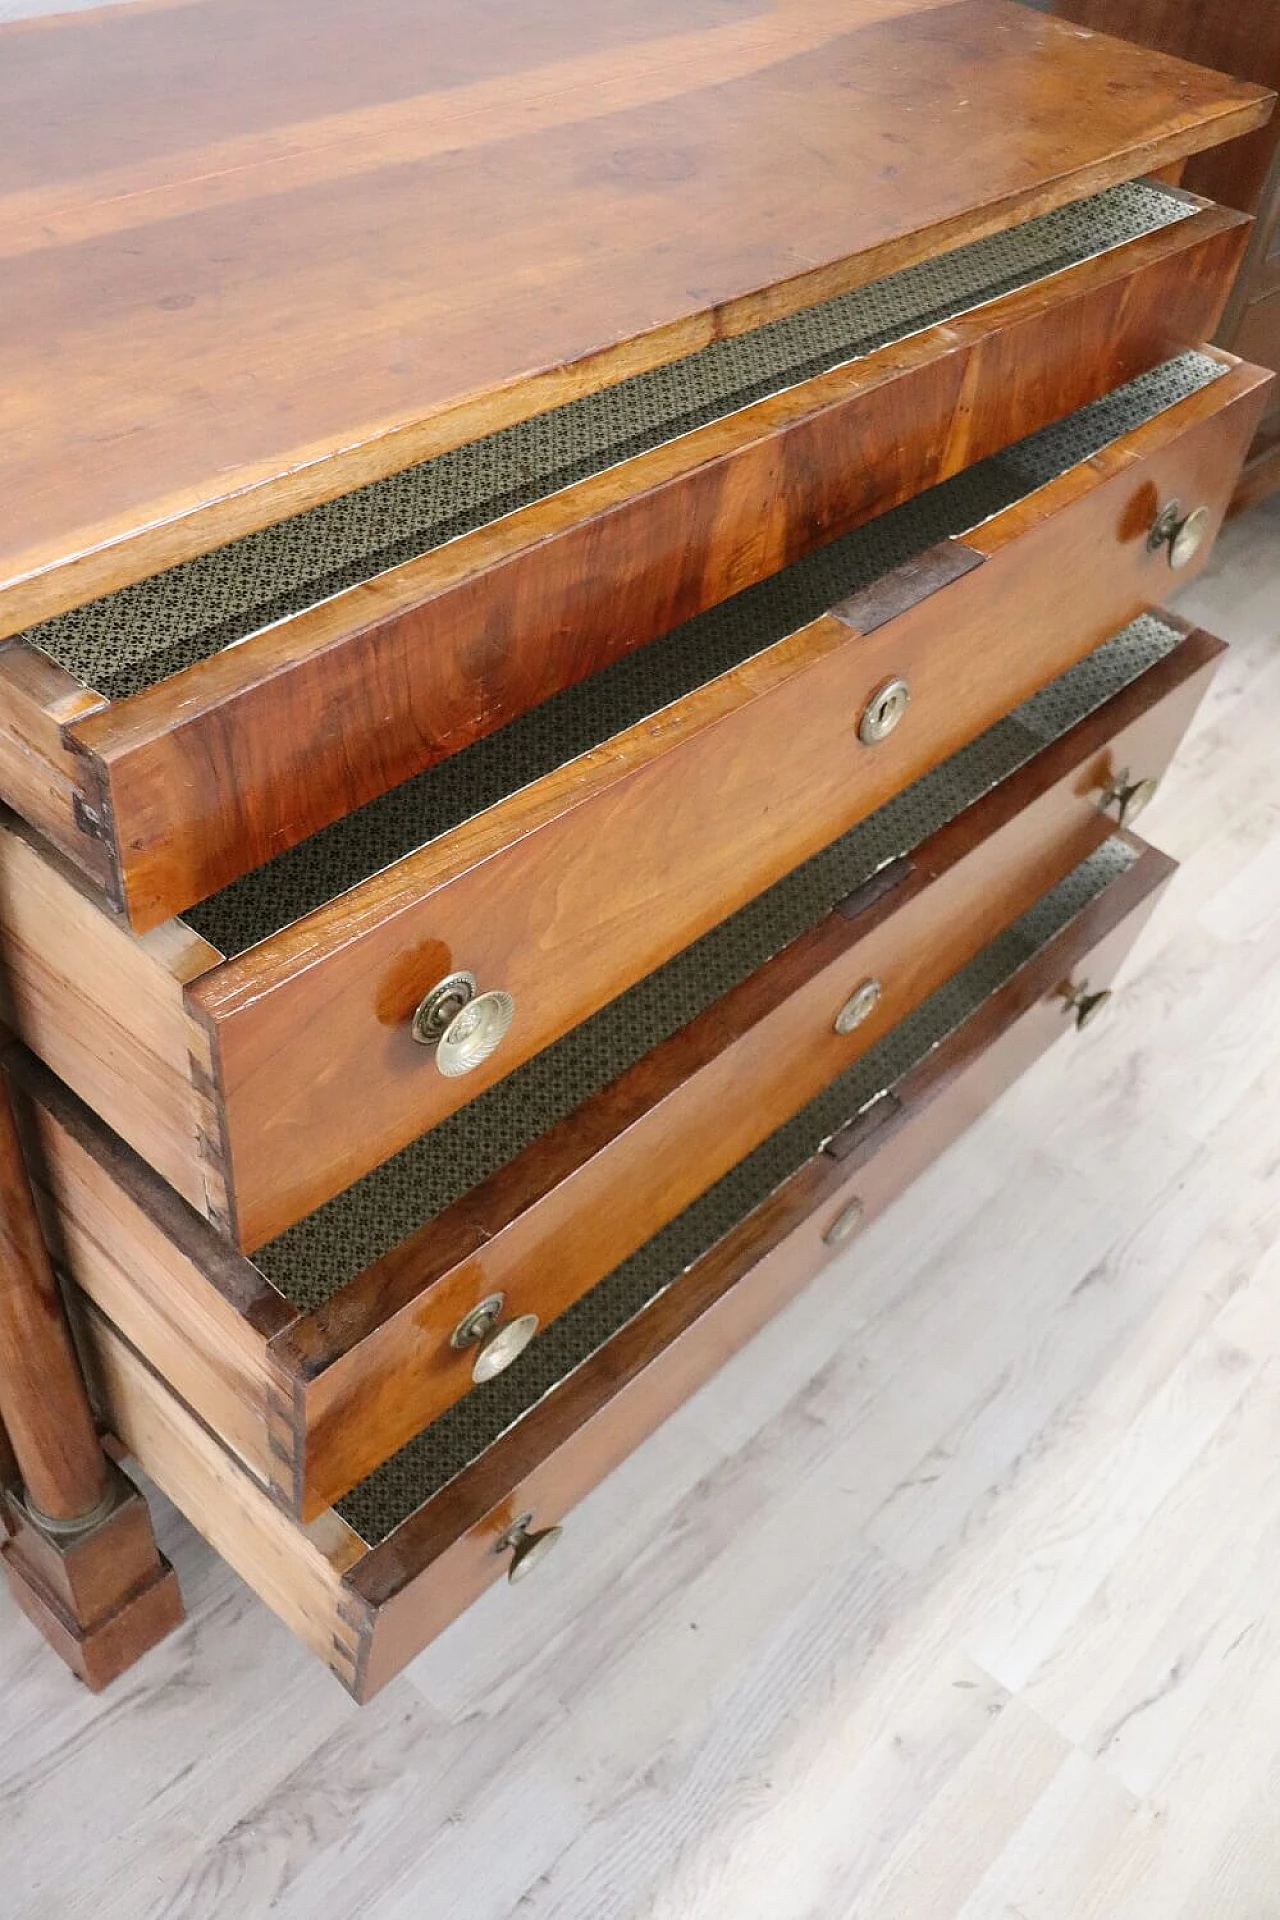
(958, 1594)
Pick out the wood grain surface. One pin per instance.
(45, 1412)
(957, 1591)
(367, 1612)
(571, 889)
(365, 1373)
(1222, 34)
(255, 256)
(216, 770)
(311, 1403)
(1244, 173)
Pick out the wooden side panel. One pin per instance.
(574, 888)
(372, 1368)
(443, 1557)
(297, 1571)
(1258, 334)
(1261, 475)
(200, 1312)
(213, 773)
(101, 1006)
(40, 777)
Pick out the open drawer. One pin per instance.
(561, 860)
(353, 1330)
(484, 1490)
(185, 729)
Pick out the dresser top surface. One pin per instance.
(253, 257)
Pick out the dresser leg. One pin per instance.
(80, 1556)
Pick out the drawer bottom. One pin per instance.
(371, 1581)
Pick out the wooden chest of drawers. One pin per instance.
(549, 772)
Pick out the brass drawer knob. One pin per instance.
(845, 1224)
(860, 1005)
(1182, 533)
(527, 1548)
(499, 1344)
(463, 1025)
(1129, 798)
(1085, 1005)
(883, 711)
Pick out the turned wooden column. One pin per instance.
(81, 1559)
(42, 1399)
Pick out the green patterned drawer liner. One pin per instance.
(420, 810)
(379, 1504)
(132, 639)
(311, 1260)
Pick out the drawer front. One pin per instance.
(363, 1374)
(566, 893)
(368, 1610)
(209, 774)
(317, 1363)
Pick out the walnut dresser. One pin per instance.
(581, 604)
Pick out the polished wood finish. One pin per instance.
(255, 260)
(80, 1557)
(1243, 40)
(575, 887)
(443, 1557)
(252, 261)
(42, 1401)
(367, 1612)
(361, 1377)
(297, 1074)
(41, 775)
(199, 779)
(312, 1403)
(102, 1597)
(86, 995)
(1240, 39)
(199, 1310)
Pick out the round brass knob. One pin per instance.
(527, 1549)
(860, 1005)
(499, 1345)
(1129, 798)
(845, 1225)
(463, 1026)
(883, 711)
(1182, 533)
(1085, 1005)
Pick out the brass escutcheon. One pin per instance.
(883, 711)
